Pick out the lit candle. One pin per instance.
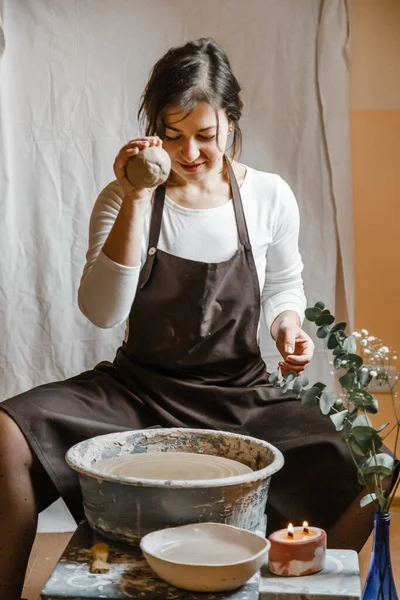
(297, 551)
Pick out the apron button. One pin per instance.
(152, 251)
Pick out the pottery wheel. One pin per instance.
(171, 465)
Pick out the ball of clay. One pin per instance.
(149, 168)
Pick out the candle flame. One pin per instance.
(290, 530)
(305, 527)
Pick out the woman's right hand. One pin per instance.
(130, 149)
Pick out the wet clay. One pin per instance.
(171, 466)
(149, 168)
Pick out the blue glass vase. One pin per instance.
(380, 583)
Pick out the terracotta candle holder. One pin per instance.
(297, 551)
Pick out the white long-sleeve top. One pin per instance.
(107, 289)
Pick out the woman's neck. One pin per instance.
(212, 181)
(214, 193)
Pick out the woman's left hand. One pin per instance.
(295, 346)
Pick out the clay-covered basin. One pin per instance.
(124, 508)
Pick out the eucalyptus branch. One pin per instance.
(397, 424)
(349, 411)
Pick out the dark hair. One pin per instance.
(198, 71)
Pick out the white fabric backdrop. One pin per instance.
(71, 77)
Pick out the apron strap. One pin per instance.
(156, 215)
(238, 207)
(155, 228)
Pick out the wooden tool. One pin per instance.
(100, 556)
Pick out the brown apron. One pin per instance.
(192, 360)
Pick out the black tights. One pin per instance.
(25, 490)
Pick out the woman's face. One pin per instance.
(191, 141)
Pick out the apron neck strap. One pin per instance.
(158, 207)
(156, 215)
(243, 233)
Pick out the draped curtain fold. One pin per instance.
(71, 76)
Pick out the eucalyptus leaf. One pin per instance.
(309, 313)
(381, 460)
(291, 376)
(359, 446)
(337, 363)
(339, 326)
(309, 398)
(361, 398)
(320, 305)
(297, 387)
(362, 421)
(338, 351)
(326, 401)
(322, 332)
(325, 319)
(382, 427)
(377, 470)
(338, 419)
(350, 345)
(363, 378)
(347, 381)
(342, 335)
(367, 499)
(356, 361)
(332, 341)
(275, 377)
(319, 385)
(372, 406)
(362, 433)
(367, 478)
(303, 379)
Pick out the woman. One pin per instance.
(191, 266)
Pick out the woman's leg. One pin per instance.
(354, 526)
(25, 490)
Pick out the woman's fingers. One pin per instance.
(134, 146)
(150, 140)
(293, 359)
(286, 366)
(129, 150)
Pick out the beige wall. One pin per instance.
(375, 147)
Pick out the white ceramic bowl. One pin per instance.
(205, 557)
